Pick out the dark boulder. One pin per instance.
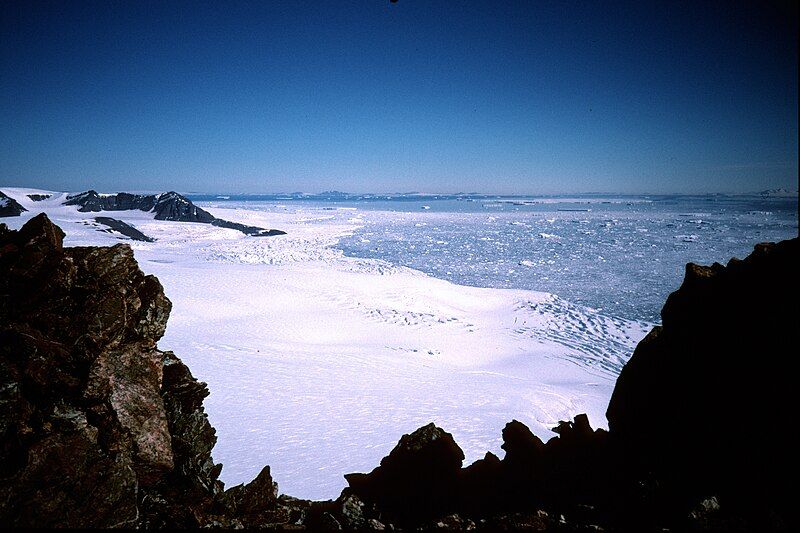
(523, 448)
(417, 480)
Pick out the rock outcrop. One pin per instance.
(173, 206)
(417, 481)
(701, 405)
(421, 481)
(39, 197)
(92, 202)
(99, 428)
(166, 206)
(9, 207)
(123, 228)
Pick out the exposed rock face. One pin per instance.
(167, 206)
(9, 207)
(39, 197)
(247, 230)
(124, 228)
(90, 201)
(98, 428)
(173, 206)
(685, 405)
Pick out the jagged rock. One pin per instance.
(417, 480)
(523, 450)
(532, 521)
(254, 504)
(9, 207)
(173, 206)
(683, 405)
(98, 428)
(328, 522)
(352, 510)
(375, 525)
(481, 486)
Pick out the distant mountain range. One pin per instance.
(337, 196)
(166, 206)
(778, 193)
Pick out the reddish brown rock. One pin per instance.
(98, 428)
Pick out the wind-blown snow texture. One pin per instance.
(317, 361)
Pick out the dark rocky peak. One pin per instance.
(520, 442)
(87, 200)
(577, 430)
(254, 504)
(81, 197)
(427, 442)
(173, 196)
(173, 206)
(91, 201)
(417, 480)
(9, 207)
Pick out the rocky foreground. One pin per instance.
(99, 428)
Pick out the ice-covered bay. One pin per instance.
(623, 256)
(317, 362)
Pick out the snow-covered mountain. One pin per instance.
(169, 206)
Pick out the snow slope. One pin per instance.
(317, 363)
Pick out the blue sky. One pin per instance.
(506, 97)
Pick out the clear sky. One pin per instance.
(373, 96)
